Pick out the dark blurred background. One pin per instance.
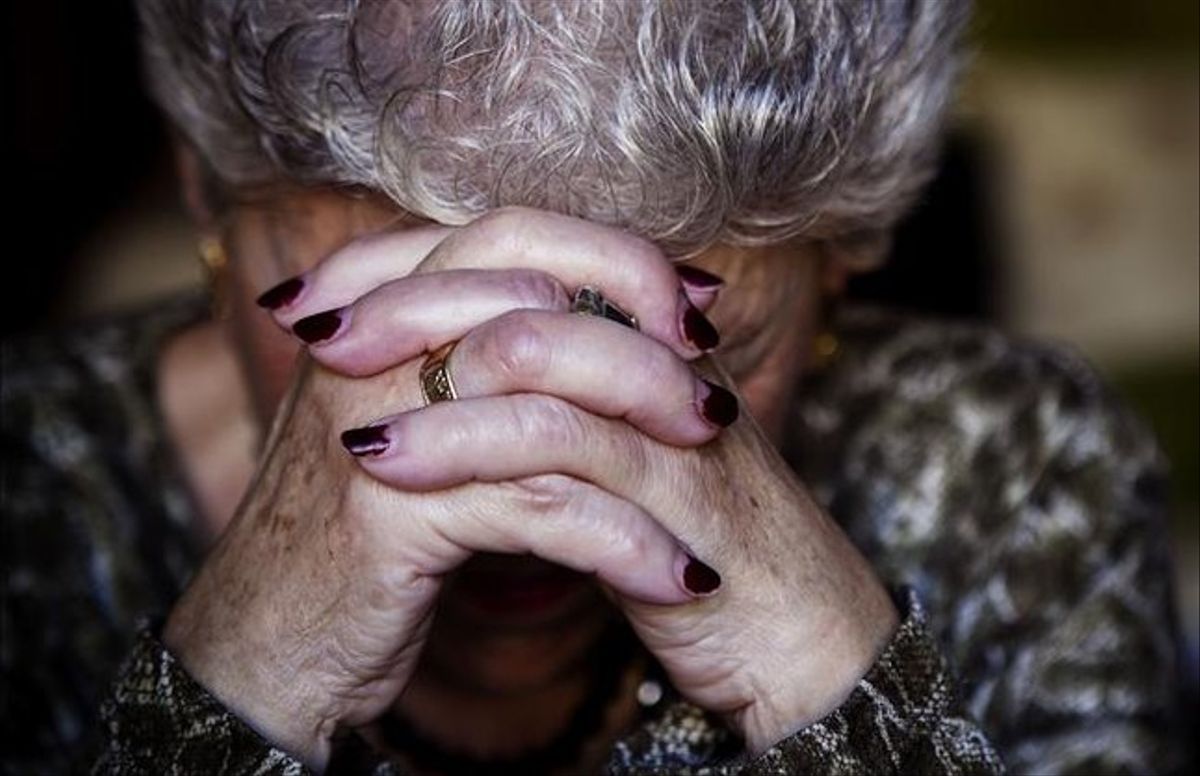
(1068, 206)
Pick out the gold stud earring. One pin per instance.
(825, 344)
(214, 260)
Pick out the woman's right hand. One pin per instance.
(312, 610)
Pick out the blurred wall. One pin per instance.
(83, 142)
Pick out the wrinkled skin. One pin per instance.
(315, 606)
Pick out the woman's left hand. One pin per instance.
(796, 615)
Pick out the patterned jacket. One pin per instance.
(997, 485)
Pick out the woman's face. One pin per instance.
(508, 622)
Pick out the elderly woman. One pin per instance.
(492, 478)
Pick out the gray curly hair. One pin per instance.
(687, 122)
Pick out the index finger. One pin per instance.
(630, 271)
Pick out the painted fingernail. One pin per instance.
(719, 407)
(699, 578)
(283, 294)
(368, 440)
(698, 279)
(316, 328)
(698, 330)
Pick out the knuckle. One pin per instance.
(615, 533)
(644, 255)
(537, 290)
(516, 349)
(551, 422)
(626, 542)
(543, 494)
(620, 536)
(504, 228)
(645, 249)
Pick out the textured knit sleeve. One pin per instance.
(158, 719)
(902, 718)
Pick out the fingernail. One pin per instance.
(699, 578)
(698, 279)
(368, 440)
(318, 327)
(280, 295)
(719, 407)
(698, 330)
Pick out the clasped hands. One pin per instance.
(586, 443)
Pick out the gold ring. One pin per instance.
(436, 384)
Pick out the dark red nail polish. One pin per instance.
(368, 440)
(699, 578)
(318, 327)
(280, 295)
(698, 330)
(720, 407)
(698, 278)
